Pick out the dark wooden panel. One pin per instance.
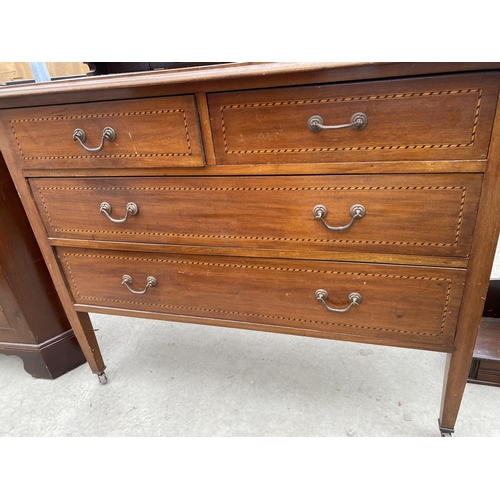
(492, 303)
(33, 325)
(31, 302)
(4, 322)
(50, 359)
(488, 340)
(488, 373)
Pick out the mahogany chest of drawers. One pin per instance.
(356, 202)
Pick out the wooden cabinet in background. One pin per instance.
(485, 367)
(33, 324)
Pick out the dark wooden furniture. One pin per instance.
(485, 367)
(216, 196)
(33, 324)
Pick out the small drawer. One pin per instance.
(403, 214)
(158, 132)
(438, 118)
(398, 303)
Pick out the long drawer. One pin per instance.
(390, 302)
(157, 132)
(410, 214)
(439, 118)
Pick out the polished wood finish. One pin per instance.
(403, 167)
(423, 215)
(380, 258)
(403, 303)
(425, 118)
(33, 325)
(224, 77)
(478, 276)
(230, 240)
(149, 132)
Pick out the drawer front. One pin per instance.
(396, 302)
(439, 118)
(405, 214)
(159, 132)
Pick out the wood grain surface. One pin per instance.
(405, 214)
(426, 118)
(235, 243)
(398, 302)
(149, 132)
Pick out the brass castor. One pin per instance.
(445, 432)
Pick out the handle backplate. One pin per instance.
(150, 281)
(131, 209)
(354, 298)
(358, 122)
(108, 134)
(357, 211)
